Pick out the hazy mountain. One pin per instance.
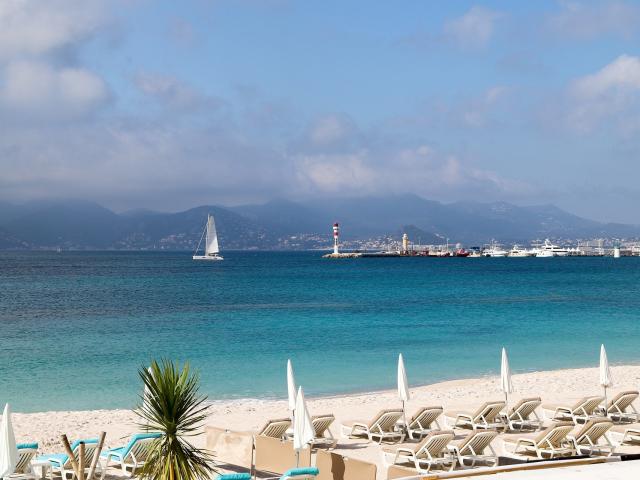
(286, 224)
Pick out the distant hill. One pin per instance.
(282, 223)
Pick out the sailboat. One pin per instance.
(211, 248)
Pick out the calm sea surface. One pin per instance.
(76, 327)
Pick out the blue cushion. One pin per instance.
(61, 458)
(57, 458)
(122, 452)
(235, 476)
(295, 472)
(27, 445)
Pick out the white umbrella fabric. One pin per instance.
(291, 388)
(403, 385)
(606, 380)
(505, 377)
(303, 431)
(8, 448)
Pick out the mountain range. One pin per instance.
(283, 224)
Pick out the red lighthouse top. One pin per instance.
(335, 224)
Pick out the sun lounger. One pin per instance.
(422, 422)
(61, 463)
(523, 416)
(26, 452)
(580, 411)
(276, 428)
(626, 434)
(550, 443)
(592, 438)
(620, 408)
(323, 435)
(234, 476)
(130, 457)
(473, 449)
(430, 452)
(485, 417)
(382, 426)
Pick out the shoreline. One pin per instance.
(564, 385)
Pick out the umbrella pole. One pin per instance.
(605, 403)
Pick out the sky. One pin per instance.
(167, 105)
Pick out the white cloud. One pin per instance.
(331, 129)
(586, 20)
(474, 29)
(612, 93)
(33, 27)
(35, 87)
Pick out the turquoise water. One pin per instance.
(75, 327)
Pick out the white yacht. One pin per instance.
(518, 252)
(548, 249)
(494, 250)
(211, 248)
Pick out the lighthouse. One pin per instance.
(336, 234)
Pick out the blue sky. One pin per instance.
(167, 105)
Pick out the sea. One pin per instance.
(77, 327)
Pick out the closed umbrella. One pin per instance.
(291, 388)
(403, 385)
(8, 449)
(505, 378)
(606, 380)
(303, 431)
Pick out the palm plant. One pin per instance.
(171, 405)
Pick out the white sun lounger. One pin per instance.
(523, 416)
(423, 422)
(276, 428)
(382, 426)
(486, 417)
(581, 411)
(323, 435)
(473, 449)
(431, 452)
(592, 438)
(550, 443)
(61, 463)
(130, 457)
(620, 408)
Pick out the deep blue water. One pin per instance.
(76, 326)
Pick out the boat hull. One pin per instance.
(208, 257)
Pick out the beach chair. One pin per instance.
(592, 438)
(130, 457)
(276, 428)
(26, 453)
(620, 408)
(382, 426)
(473, 449)
(626, 434)
(430, 452)
(549, 443)
(422, 422)
(580, 411)
(61, 463)
(486, 417)
(523, 416)
(323, 435)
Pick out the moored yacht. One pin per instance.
(518, 252)
(548, 249)
(494, 250)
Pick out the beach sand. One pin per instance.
(553, 386)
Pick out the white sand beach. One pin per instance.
(241, 415)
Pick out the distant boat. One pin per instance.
(548, 249)
(211, 248)
(495, 250)
(517, 251)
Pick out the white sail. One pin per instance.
(211, 247)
